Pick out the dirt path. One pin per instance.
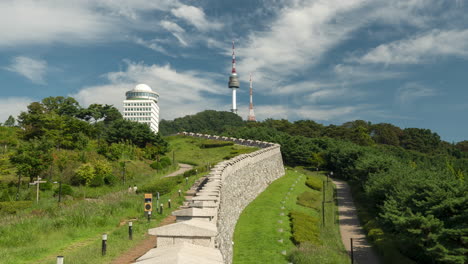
(351, 228)
(183, 168)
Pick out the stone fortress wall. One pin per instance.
(205, 225)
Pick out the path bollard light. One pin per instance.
(180, 192)
(149, 216)
(130, 230)
(59, 259)
(161, 208)
(104, 244)
(157, 194)
(169, 203)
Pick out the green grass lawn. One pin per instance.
(187, 150)
(257, 238)
(46, 230)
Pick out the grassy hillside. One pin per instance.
(73, 228)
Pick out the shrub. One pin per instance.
(211, 143)
(375, 234)
(66, 190)
(314, 183)
(165, 162)
(309, 199)
(304, 228)
(14, 207)
(45, 186)
(163, 186)
(156, 166)
(84, 175)
(110, 180)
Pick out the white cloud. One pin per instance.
(419, 49)
(176, 31)
(27, 22)
(196, 16)
(74, 22)
(297, 39)
(151, 44)
(413, 91)
(13, 106)
(30, 68)
(181, 93)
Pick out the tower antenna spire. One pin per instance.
(251, 116)
(233, 58)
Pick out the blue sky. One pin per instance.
(402, 61)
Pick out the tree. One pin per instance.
(10, 121)
(388, 134)
(33, 157)
(423, 140)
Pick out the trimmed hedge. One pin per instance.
(309, 199)
(14, 207)
(211, 143)
(304, 228)
(314, 183)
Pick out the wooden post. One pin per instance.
(352, 251)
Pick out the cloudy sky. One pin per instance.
(401, 61)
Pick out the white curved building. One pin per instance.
(141, 105)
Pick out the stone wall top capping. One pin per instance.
(191, 228)
(181, 253)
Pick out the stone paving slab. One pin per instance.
(185, 253)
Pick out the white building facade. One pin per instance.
(141, 105)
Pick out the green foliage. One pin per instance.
(163, 186)
(211, 143)
(156, 165)
(137, 133)
(310, 199)
(11, 121)
(84, 175)
(14, 206)
(304, 228)
(314, 183)
(45, 186)
(66, 190)
(208, 121)
(33, 157)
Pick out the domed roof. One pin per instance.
(142, 87)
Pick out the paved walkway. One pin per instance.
(351, 228)
(183, 168)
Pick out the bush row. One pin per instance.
(211, 143)
(309, 199)
(314, 183)
(304, 228)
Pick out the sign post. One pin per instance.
(148, 203)
(37, 187)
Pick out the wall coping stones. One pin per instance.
(191, 228)
(205, 198)
(186, 253)
(195, 212)
(204, 204)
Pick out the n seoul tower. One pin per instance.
(233, 80)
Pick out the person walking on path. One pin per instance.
(351, 228)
